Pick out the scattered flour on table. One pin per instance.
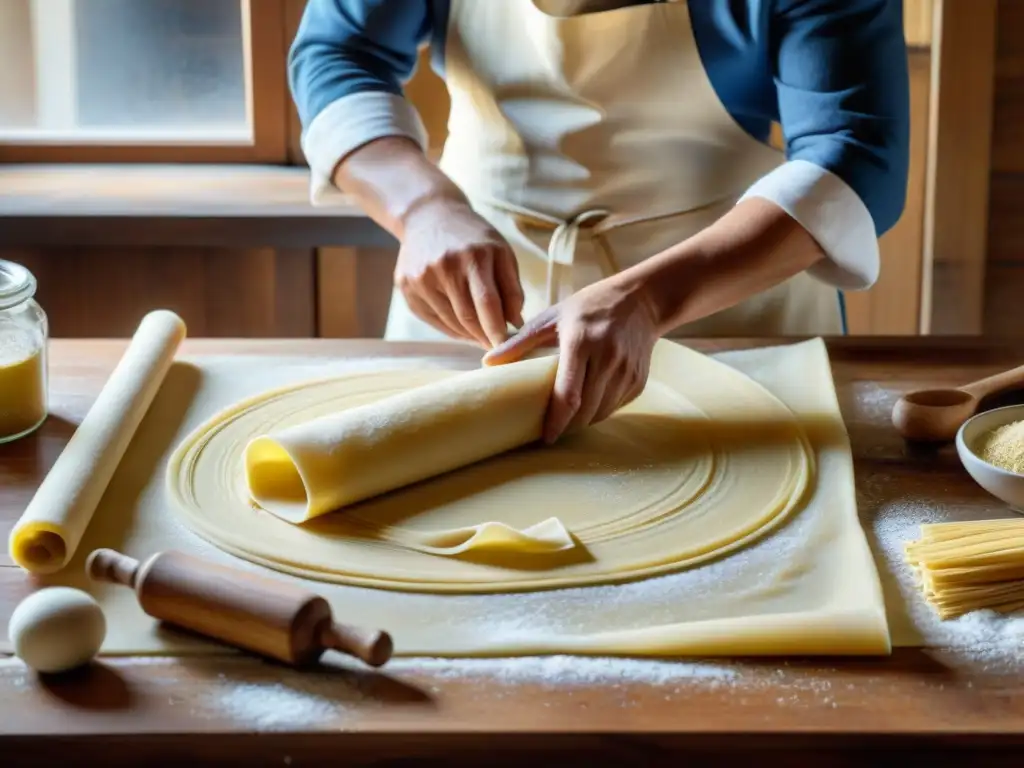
(874, 402)
(569, 670)
(271, 705)
(791, 684)
(14, 672)
(982, 636)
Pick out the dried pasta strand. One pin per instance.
(986, 574)
(970, 566)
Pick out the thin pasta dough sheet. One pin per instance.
(704, 462)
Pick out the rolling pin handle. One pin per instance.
(372, 646)
(113, 567)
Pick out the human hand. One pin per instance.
(458, 274)
(606, 335)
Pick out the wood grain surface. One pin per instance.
(1004, 272)
(893, 304)
(239, 710)
(959, 157)
(94, 291)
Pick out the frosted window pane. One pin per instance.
(160, 63)
(129, 68)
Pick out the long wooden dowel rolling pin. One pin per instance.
(49, 531)
(259, 614)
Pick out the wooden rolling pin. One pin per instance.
(266, 616)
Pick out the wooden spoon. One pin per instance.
(937, 414)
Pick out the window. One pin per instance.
(143, 80)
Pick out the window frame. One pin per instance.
(265, 45)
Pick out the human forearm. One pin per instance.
(753, 247)
(391, 179)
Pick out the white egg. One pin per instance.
(57, 629)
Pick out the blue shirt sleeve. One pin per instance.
(345, 47)
(843, 87)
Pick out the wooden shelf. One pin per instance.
(173, 205)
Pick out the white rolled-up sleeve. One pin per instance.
(833, 214)
(346, 125)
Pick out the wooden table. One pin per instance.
(242, 710)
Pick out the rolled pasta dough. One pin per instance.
(46, 536)
(322, 465)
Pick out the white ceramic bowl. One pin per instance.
(1001, 483)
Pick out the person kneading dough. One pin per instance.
(607, 177)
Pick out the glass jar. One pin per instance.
(24, 334)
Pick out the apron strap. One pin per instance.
(561, 250)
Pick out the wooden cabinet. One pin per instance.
(95, 292)
(1003, 313)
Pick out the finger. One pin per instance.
(456, 289)
(541, 330)
(437, 299)
(637, 389)
(426, 302)
(615, 395)
(643, 372)
(488, 304)
(506, 270)
(637, 386)
(423, 311)
(568, 390)
(600, 376)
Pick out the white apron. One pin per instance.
(593, 142)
